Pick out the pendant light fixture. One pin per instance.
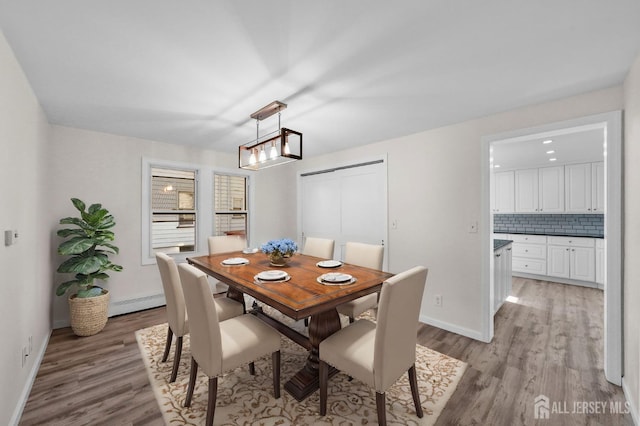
(284, 145)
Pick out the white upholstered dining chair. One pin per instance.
(176, 310)
(368, 256)
(378, 354)
(225, 243)
(318, 247)
(219, 347)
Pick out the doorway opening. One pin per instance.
(608, 125)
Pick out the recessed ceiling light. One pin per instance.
(550, 152)
(547, 141)
(552, 159)
(497, 166)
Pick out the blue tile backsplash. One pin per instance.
(587, 225)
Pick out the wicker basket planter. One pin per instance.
(89, 315)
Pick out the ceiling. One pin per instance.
(579, 145)
(352, 72)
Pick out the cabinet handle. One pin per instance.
(573, 249)
(589, 209)
(526, 251)
(498, 255)
(567, 249)
(509, 249)
(570, 241)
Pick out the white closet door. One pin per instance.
(349, 204)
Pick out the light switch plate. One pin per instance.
(8, 237)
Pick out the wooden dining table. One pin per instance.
(302, 296)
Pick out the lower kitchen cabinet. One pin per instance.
(573, 258)
(502, 276)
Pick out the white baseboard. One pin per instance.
(134, 305)
(632, 406)
(24, 395)
(473, 334)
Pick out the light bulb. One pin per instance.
(273, 154)
(263, 156)
(286, 148)
(252, 157)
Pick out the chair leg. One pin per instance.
(252, 368)
(351, 320)
(176, 360)
(275, 360)
(192, 382)
(167, 346)
(306, 322)
(323, 373)
(413, 381)
(382, 409)
(211, 405)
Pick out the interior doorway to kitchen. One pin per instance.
(609, 124)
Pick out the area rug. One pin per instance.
(248, 400)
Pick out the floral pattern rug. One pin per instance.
(248, 400)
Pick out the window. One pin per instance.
(175, 199)
(173, 210)
(230, 205)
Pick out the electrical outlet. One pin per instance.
(437, 300)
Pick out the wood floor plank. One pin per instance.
(550, 342)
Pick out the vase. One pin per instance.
(277, 259)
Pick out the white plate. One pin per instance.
(336, 278)
(272, 275)
(281, 280)
(250, 250)
(329, 264)
(235, 261)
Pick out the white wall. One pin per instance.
(434, 193)
(25, 268)
(102, 168)
(631, 379)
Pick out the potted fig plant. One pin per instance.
(88, 245)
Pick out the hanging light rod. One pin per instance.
(268, 110)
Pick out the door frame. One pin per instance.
(611, 122)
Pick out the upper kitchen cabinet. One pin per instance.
(597, 187)
(551, 184)
(584, 188)
(526, 184)
(503, 192)
(540, 190)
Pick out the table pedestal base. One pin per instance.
(306, 381)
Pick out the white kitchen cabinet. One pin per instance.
(571, 257)
(503, 192)
(558, 261)
(581, 186)
(600, 262)
(526, 191)
(551, 189)
(502, 276)
(529, 253)
(540, 190)
(597, 187)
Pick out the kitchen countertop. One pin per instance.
(498, 244)
(552, 234)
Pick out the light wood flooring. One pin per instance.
(549, 342)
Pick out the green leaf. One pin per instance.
(62, 288)
(76, 245)
(75, 221)
(68, 231)
(114, 249)
(78, 204)
(100, 276)
(94, 208)
(81, 264)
